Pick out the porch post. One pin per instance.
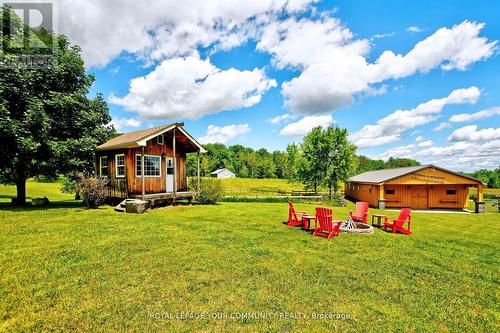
(143, 196)
(198, 173)
(381, 199)
(175, 165)
(480, 204)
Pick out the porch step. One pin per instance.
(121, 206)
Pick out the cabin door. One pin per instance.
(169, 174)
(419, 197)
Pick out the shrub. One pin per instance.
(70, 185)
(93, 191)
(210, 192)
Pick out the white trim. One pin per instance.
(145, 176)
(116, 166)
(162, 140)
(202, 150)
(100, 166)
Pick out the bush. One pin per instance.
(211, 191)
(70, 186)
(93, 191)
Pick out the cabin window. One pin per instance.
(159, 139)
(390, 191)
(152, 166)
(120, 165)
(103, 166)
(451, 192)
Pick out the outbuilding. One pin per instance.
(149, 164)
(223, 173)
(418, 187)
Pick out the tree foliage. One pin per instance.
(490, 177)
(48, 124)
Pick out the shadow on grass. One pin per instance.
(7, 206)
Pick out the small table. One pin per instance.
(379, 218)
(306, 221)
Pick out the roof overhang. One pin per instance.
(143, 141)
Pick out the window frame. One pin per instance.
(451, 190)
(390, 189)
(158, 140)
(116, 166)
(138, 157)
(101, 166)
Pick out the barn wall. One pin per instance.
(363, 192)
(436, 197)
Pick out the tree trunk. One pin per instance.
(21, 192)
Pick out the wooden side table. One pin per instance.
(379, 218)
(306, 221)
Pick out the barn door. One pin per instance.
(169, 174)
(419, 197)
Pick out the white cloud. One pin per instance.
(442, 126)
(459, 156)
(192, 88)
(390, 128)
(224, 134)
(282, 118)
(464, 117)
(335, 67)
(470, 133)
(162, 29)
(424, 144)
(306, 124)
(379, 36)
(121, 123)
(414, 29)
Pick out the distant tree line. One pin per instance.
(490, 177)
(323, 159)
(246, 162)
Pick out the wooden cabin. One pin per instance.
(148, 164)
(419, 187)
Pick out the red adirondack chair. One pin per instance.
(293, 216)
(361, 213)
(325, 226)
(398, 224)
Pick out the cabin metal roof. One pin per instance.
(381, 176)
(139, 138)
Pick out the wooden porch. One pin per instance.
(155, 198)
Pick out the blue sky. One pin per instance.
(226, 70)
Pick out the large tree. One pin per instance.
(312, 170)
(340, 157)
(48, 124)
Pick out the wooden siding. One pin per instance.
(424, 189)
(132, 183)
(435, 196)
(363, 192)
(430, 176)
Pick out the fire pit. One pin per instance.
(356, 227)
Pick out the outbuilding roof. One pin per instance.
(380, 176)
(139, 138)
(220, 170)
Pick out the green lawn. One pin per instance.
(65, 268)
(257, 187)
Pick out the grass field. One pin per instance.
(258, 187)
(65, 268)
